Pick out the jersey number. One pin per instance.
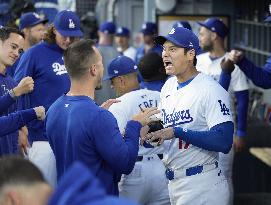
(183, 144)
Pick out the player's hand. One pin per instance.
(160, 135)
(236, 56)
(144, 117)
(227, 65)
(108, 103)
(239, 144)
(40, 112)
(26, 85)
(23, 140)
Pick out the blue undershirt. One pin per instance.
(219, 138)
(259, 76)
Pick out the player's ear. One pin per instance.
(93, 70)
(213, 36)
(12, 197)
(191, 54)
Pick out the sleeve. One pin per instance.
(15, 121)
(260, 77)
(25, 68)
(120, 113)
(216, 105)
(120, 153)
(224, 80)
(5, 101)
(242, 108)
(239, 81)
(219, 138)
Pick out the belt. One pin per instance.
(140, 158)
(174, 174)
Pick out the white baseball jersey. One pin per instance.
(131, 104)
(198, 106)
(212, 68)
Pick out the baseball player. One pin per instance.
(149, 31)
(51, 81)
(105, 45)
(11, 45)
(212, 34)
(91, 133)
(196, 116)
(147, 183)
(33, 27)
(152, 70)
(122, 37)
(83, 189)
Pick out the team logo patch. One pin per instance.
(223, 108)
(71, 24)
(176, 118)
(59, 69)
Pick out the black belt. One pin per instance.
(140, 158)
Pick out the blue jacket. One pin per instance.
(44, 63)
(78, 129)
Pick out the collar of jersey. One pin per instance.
(181, 85)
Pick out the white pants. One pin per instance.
(225, 164)
(43, 157)
(147, 183)
(208, 188)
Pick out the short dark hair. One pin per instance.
(195, 58)
(6, 31)
(16, 170)
(151, 67)
(77, 57)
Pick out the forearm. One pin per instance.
(15, 121)
(5, 101)
(225, 79)
(219, 138)
(259, 76)
(242, 108)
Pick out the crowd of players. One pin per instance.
(100, 98)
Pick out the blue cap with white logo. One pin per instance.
(215, 25)
(184, 24)
(108, 27)
(67, 23)
(181, 37)
(30, 19)
(123, 31)
(121, 65)
(149, 28)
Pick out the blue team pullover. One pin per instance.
(8, 143)
(83, 188)
(44, 63)
(79, 130)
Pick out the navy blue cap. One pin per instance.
(149, 28)
(123, 31)
(121, 65)
(181, 37)
(108, 27)
(184, 24)
(30, 19)
(215, 25)
(67, 23)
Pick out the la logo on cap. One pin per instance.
(71, 24)
(172, 31)
(36, 15)
(116, 72)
